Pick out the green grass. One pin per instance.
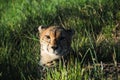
(92, 20)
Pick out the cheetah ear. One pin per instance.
(71, 32)
(41, 28)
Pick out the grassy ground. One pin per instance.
(96, 39)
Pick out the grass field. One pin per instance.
(96, 39)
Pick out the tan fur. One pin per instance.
(55, 43)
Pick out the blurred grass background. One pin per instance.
(94, 22)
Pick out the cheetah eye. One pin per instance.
(48, 37)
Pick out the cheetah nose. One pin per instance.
(54, 47)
